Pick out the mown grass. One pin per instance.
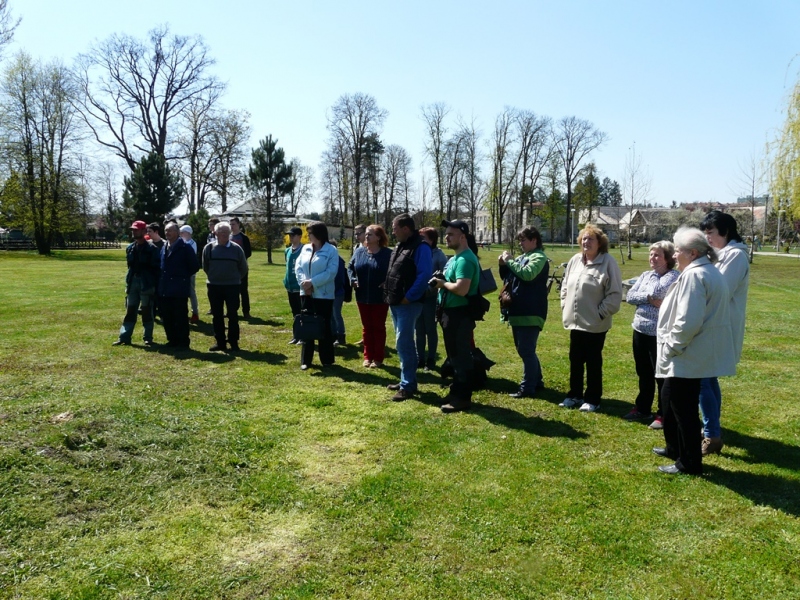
(203, 475)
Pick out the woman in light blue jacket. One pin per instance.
(316, 270)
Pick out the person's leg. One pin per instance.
(419, 337)
(180, 309)
(307, 354)
(378, 327)
(431, 332)
(193, 295)
(366, 332)
(645, 370)
(146, 301)
(245, 294)
(670, 428)
(405, 319)
(457, 330)
(338, 320)
(325, 308)
(131, 312)
(594, 367)
(684, 403)
(294, 302)
(710, 404)
(232, 306)
(167, 319)
(576, 360)
(525, 340)
(216, 299)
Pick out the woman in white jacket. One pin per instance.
(734, 264)
(694, 342)
(316, 270)
(590, 294)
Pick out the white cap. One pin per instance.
(186, 229)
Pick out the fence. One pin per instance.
(64, 245)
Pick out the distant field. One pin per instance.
(128, 472)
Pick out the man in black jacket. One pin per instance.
(178, 264)
(239, 237)
(404, 291)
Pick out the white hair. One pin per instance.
(222, 225)
(691, 238)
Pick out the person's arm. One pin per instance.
(248, 252)
(243, 266)
(463, 279)
(328, 274)
(637, 295)
(530, 270)
(191, 262)
(613, 296)
(691, 309)
(565, 280)
(422, 261)
(206, 258)
(734, 270)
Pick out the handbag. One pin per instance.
(506, 300)
(477, 306)
(487, 284)
(308, 326)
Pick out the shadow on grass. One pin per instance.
(780, 493)
(272, 322)
(760, 450)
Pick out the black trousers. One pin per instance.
(245, 294)
(586, 349)
(457, 327)
(175, 318)
(644, 355)
(322, 307)
(224, 299)
(294, 302)
(682, 429)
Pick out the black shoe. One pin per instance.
(235, 347)
(393, 386)
(148, 343)
(217, 348)
(292, 341)
(670, 469)
(121, 343)
(662, 452)
(455, 405)
(522, 394)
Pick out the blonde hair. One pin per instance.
(602, 238)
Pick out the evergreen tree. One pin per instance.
(153, 189)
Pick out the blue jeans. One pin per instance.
(710, 406)
(404, 319)
(525, 339)
(426, 331)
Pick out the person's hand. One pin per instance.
(354, 282)
(655, 301)
(405, 301)
(307, 286)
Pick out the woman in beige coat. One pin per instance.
(590, 293)
(694, 341)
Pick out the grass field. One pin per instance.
(129, 472)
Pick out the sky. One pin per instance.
(697, 88)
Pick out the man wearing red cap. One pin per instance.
(144, 265)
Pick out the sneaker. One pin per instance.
(303, 367)
(636, 415)
(376, 364)
(586, 407)
(217, 348)
(121, 343)
(402, 395)
(148, 343)
(658, 423)
(209, 313)
(336, 343)
(569, 402)
(292, 341)
(195, 318)
(393, 386)
(366, 364)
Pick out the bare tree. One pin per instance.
(751, 179)
(474, 186)
(536, 148)
(8, 24)
(351, 121)
(636, 183)
(230, 133)
(303, 190)
(505, 168)
(396, 167)
(193, 145)
(434, 116)
(133, 91)
(574, 140)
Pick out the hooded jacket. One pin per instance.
(734, 264)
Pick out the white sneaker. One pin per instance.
(569, 402)
(586, 407)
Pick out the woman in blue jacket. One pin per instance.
(316, 270)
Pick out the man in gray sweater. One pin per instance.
(225, 265)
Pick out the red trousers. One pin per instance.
(373, 330)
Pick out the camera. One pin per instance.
(436, 275)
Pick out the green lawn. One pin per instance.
(128, 472)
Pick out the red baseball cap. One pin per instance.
(141, 225)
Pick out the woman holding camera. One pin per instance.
(525, 277)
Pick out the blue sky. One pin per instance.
(698, 86)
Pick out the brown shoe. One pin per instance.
(393, 386)
(712, 446)
(455, 405)
(402, 395)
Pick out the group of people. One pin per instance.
(161, 276)
(688, 327)
(409, 281)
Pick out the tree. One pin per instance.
(352, 120)
(610, 193)
(554, 200)
(505, 166)
(230, 132)
(396, 166)
(194, 148)
(536, 148)
(434, 115)
(154, 189)
(134, 91)
(574, 140)
(636, 184)
(7, 25)
(271, 179)
(785, 172)
(303, 190)
(40, 130)
(474, 186)
(751, 178)
(588, 190)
